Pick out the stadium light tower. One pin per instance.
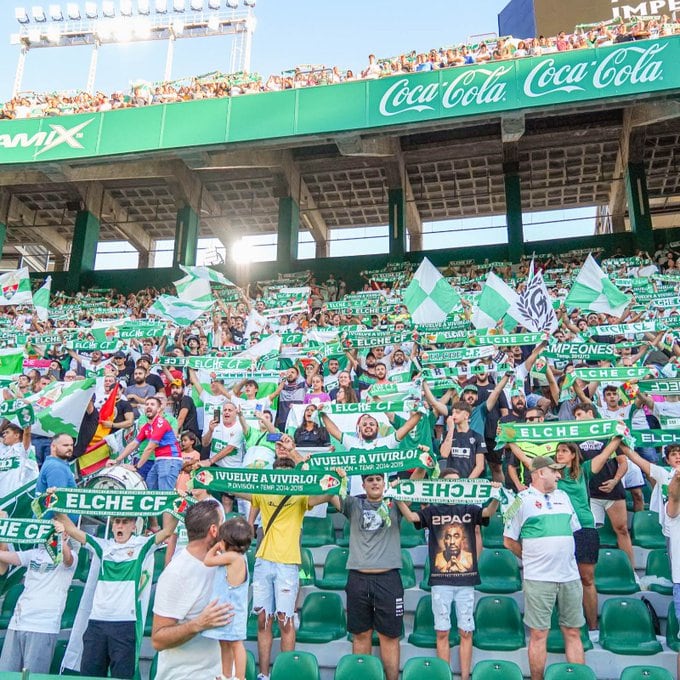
(121, 21)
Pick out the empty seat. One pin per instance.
(9, 603)
(251, 668)
(364, 666)
(569, 671)
(607, 534)
(295, 665)
(343, 541)
(334, 570)
(58, 657)
(12, 578)
(75, 592)
(498, 571)
(672, 632)
(158, 563)
(496, 670)
(646, 531)
(659, 565)
(251, 628)
(645, 673)
(307, 569)
(614, 574)
(83, 567)
(555, 641)
(322, 618)
(498, 624)
(408, 571)
(317, 531)
(148, 623)
(410, 536)
(626, 627)
(423, 634)
(425, 581)
(492, 535)
(426, 668)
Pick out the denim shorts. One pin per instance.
(442, 599)
(163, 475)
(275, 587)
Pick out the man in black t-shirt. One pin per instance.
(452, 553)
(183, 408)
(462, 448)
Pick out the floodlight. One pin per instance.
(161, 6)
(143, 7)
(214, 23)
(53, 33)
(214, 4)
(232, 3)
(197, 5)
(34, 35)
(177, 5)
(91, 11)
(55, 13)
(38, 14)
(126, 8)
(73, 11)
(177, 26)
(20, 15)
(108, 9)
(249, 3)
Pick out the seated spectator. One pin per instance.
(310, 433)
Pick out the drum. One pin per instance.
(116, 477)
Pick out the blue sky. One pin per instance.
(289, 33)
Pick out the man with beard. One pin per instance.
(183, 408)
(139, 390)
(400, 367)
(183, 608)
(293, 392)
(331, 376)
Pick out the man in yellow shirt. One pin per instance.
(275, 577)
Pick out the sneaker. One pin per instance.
(296, 621)
(262, 676)
(594, 635)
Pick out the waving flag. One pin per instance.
(98, 450)
(193, 289)
(533, 307)
(181, 312)
(11, 364)
(206, 274)
(41, 300)
(15, 288)
(429, 297)
(494, 303)
(593, 290)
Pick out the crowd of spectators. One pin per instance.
(31, 104)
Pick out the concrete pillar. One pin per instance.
(186, 237)
(397, 239)
(322, 249)
(638, 206)
(288, 231)
(83, 249)
(3, 234)
(144, 259)
(513, 210)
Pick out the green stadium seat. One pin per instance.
(322, 618)
(148, 623)
(498, 571)
(307, 568)
(607, 534)
(496, 670)
(317, 531)
(426, 668)
(626, 627)
(158, 563)
(659, 565)
(58, 657)
(423, 634)
(295, 665)
(425, 581)
(251, 628)
(646, 531)
(343, 541)
(364, 666)
(12, 578)
(555, 641)
(250, 556)
(613, 573)
(492, 535)
(251, 668)
(334, 570)
(498, 624)
(75, 592)
(569, 671)
(410, 536)
(9, 603)
(153, 668)
(645, 673)
(672, 629)
(408, 571)
(83, 567)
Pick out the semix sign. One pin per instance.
(565, 78)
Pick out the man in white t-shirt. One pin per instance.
(211, 400)
(672, 524)
(35, 624)
(17, 468)
(225, 439)
(182, 606)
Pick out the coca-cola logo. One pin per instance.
(626, 65)
(479, 86)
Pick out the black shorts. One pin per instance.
(492, 455)
(375, 602)
(587, 546)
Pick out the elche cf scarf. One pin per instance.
(30, 532)
(372, 461)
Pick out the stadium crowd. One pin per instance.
(31, 104)
(543, 392)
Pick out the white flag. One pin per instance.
(533, 308)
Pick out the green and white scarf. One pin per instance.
(443, 356)
(656, 437)
(564, 431)
(371, 407)
(372, 461)
(668, 387)
(30, 532)
(460, 491)
(584, 350)
(209, 363)
(618, 373)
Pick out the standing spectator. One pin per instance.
(183, 408)
(462, 448)
(373, 70)
(541, 534)
(293, 392)
(671, 521)
(56, 471)
(137, 392)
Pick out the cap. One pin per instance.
(177, 382)
(542, 462)
(119, 355)
(470, 388)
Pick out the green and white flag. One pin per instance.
(41, 300)
(15, 288)
(494, 303)
(193, 289)
(593, 290)
(11, 364)
(429, 297)
(206, 274)
(181, 312)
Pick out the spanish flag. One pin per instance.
(98, 451)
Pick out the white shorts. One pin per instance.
(275, 587)
(633, 478)
(599, 506)
(442, 599)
